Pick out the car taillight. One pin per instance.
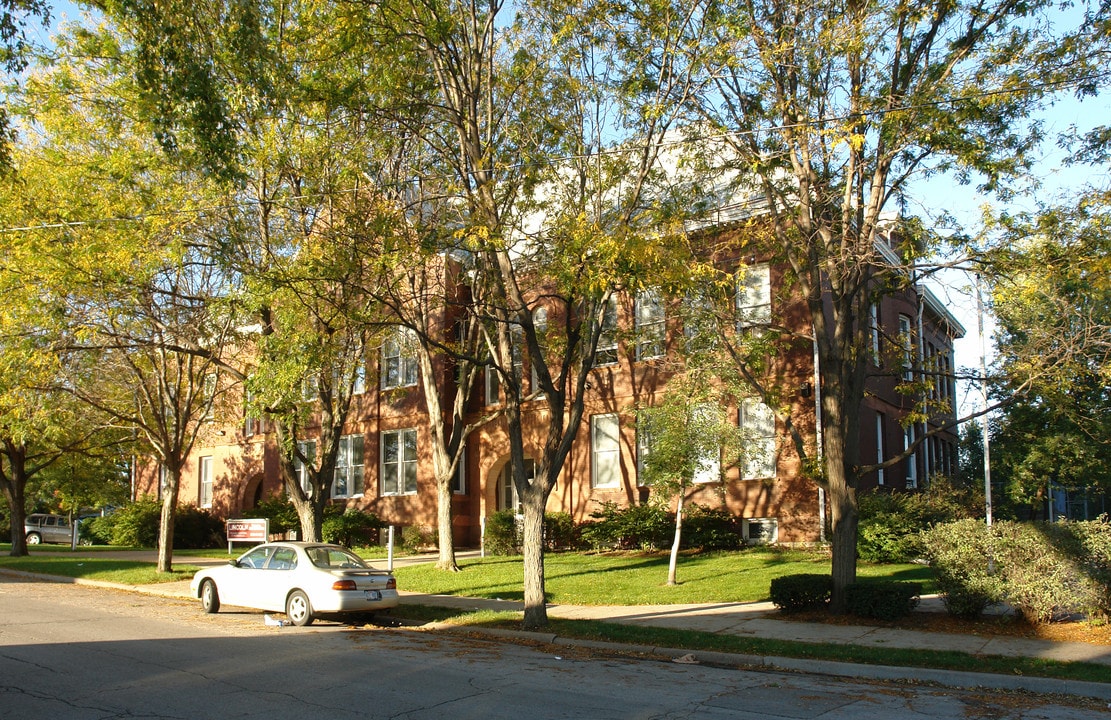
(391, 584)
(344, 585)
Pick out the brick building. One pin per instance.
(385, 465)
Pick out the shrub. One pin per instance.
(711, 529)
(560, 532)
(1049, 571)
(890, 523)
(882, 600)
(643, 527)
(415, 538)
(97, 530)
(352, 528)
(805, 591)
(961, 555)
(137, 524)
(279, 510)
(503, 536)
(197, 528)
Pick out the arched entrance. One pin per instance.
(508, 499)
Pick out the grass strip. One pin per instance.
(702, 641)
(127, 572)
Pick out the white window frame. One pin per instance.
(770, 524)
(395, 474)
(906, 339)
(874, 313)
(912, 459)
(459, 478)
(205, 481)
(709, 466)
(308, 449)
(650, 324)
(399, 368)
(880, 454)
(350, 471)
(757, 422)
(492, 389)
(605, 451)
(605, 352)
(540, 326)
(358, 387)
(754, 296)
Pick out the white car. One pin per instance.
(302, 579)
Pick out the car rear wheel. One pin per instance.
(210, 599)
(299, 609)
(34, 538)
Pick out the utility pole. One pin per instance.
(984, 397)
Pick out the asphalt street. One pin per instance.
(76, 652)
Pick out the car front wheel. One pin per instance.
(34, 538)
(210, 599)
(299, 609)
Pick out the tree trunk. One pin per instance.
(14, 487)
(166, 526)
(536, 610)
(674, 562)
(446, 541)
(844, 518)
(307, 517)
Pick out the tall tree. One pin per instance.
(1051, 293)
(14, 51)
(827, 111)
(134, 299)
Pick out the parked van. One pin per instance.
(43, 528)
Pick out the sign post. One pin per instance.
(247, 530)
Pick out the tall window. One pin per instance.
(540, 324)
(310, 388)
(350, 460)
(399, 462)
(358, 387)
(493, 386)
(205, 482)
(301, 468)
(651, 325)
(459, 479)
(906, 338)
(709, 462)
(399, 361)
(606, 352)
(874, 314)
(605, 451)
(912, 461)
(209, 396)
(757, 423)
(880, 455)
(699, 326)
(754, 296)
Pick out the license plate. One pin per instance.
(373, 595)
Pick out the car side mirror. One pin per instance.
(233, 562)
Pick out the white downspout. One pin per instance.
(818, 441)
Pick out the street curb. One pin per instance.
(945, 678)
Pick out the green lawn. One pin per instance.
(639, 578)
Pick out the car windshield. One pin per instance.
(334, 557)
